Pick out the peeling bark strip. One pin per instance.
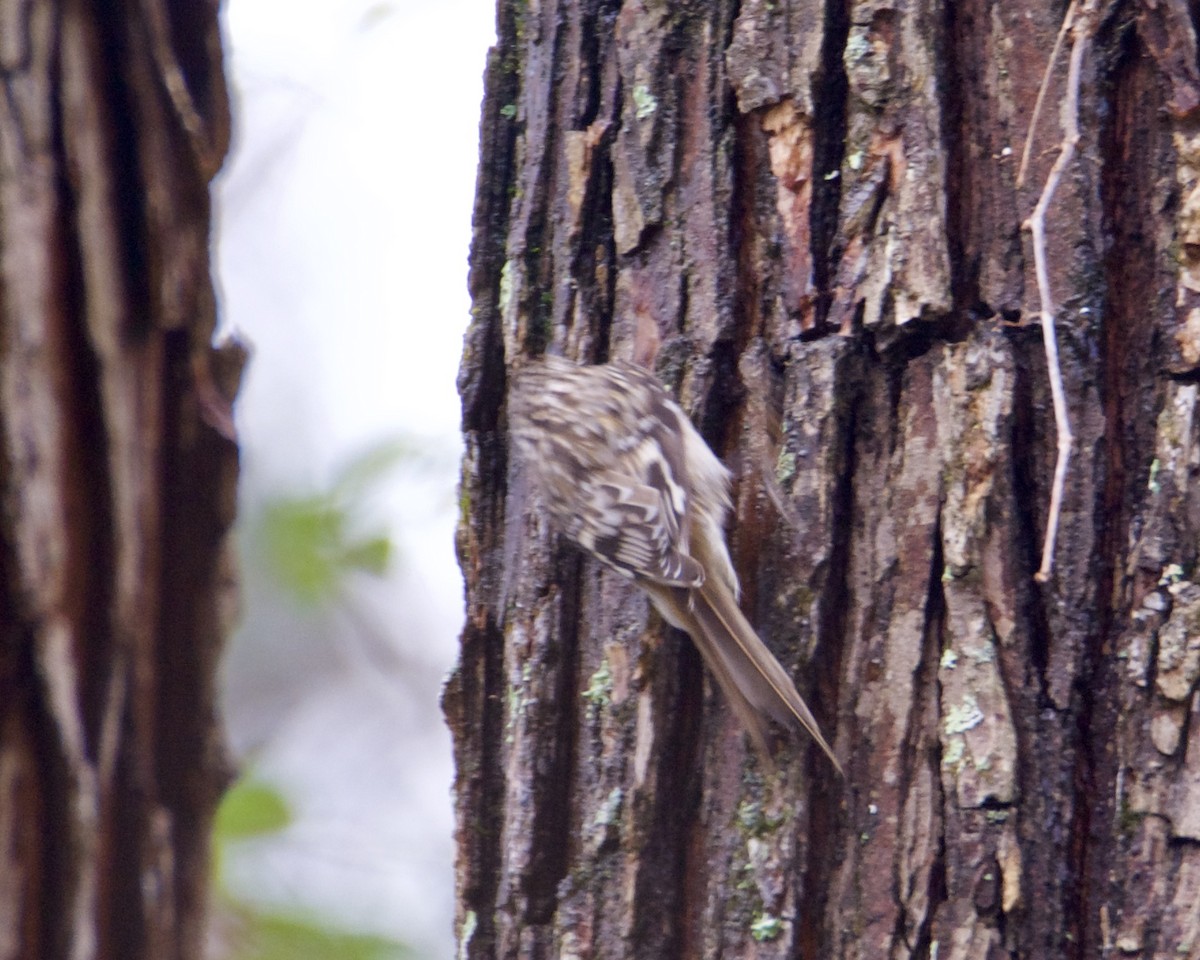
(807, 220)
(117, 480)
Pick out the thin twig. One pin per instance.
(1068, 22)
(1081, 31)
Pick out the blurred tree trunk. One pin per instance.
(117, 476)
(807, 218)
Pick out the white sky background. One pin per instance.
(343, 228)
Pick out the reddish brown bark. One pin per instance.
(117, 479)
(807, 219)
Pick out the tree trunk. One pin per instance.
(808, 220)
(117, 474)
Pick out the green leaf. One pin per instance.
(370, 556)
(312, 542)
(267, 936)
(302, 538)
(250, 808)
(372, 465)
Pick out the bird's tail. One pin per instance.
(755, 683)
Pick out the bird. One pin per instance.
(624, 475)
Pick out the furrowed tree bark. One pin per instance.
(117, 476)
(806, 218)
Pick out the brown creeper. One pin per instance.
(625, 475)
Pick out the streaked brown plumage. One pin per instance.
(625, 475)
